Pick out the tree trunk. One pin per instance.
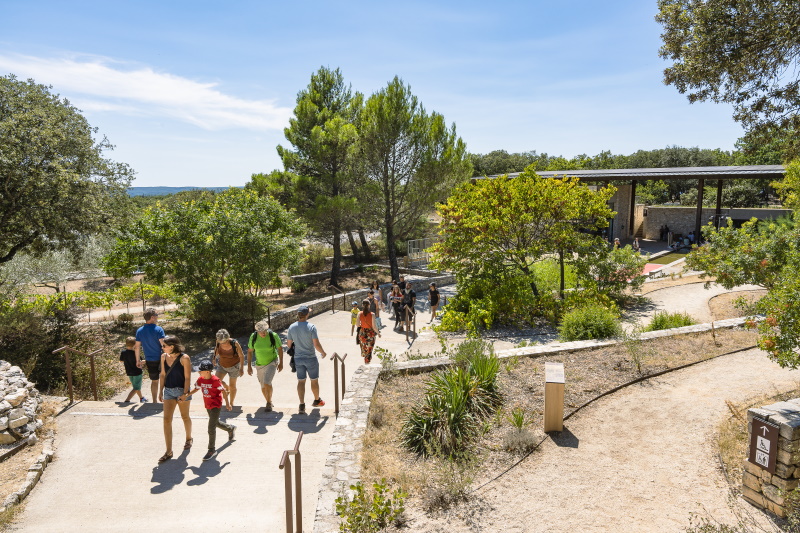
(364, 245)
(561, 264)
(391, 252)
(337, 255)
(356, 251)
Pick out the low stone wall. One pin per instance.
(343, 464)
(19, 405)
(759, 487)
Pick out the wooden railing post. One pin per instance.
(67, 350)
(286, 466)
(337, 359)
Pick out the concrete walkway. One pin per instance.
(106, 477)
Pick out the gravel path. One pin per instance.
(642, 459)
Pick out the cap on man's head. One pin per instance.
(262, 325)
(303, 310)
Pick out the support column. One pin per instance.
(632, 211)
(718, 210)
(698, 220)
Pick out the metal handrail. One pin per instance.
(67, 350)
(337, 359)
(409, 322)
(333, 298)
(286, 466)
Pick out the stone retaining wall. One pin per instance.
(19, 404)
(343, 464)
(759, 487)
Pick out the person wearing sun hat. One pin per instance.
(302, 335)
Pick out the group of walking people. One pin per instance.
(401, 300)
(170, 371)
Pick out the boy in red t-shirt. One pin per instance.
(213, 392)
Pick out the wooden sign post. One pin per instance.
(553, 397)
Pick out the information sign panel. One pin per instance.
(764, 444)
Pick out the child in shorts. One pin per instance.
(133, 369)
(353, 317)
(214, 391)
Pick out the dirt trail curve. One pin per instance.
(642, 459)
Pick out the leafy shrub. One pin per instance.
(517, 418)
(519, 440)
(298, 286)
(229, 310)
(314, 258)
(124, 320)
(455, 401)
(29, 336)
(367, 513)
(452, 479)
(666, 320)
(589, 322)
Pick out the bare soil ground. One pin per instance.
(588, 374)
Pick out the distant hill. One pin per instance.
(160, 191)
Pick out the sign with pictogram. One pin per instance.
(764, 444)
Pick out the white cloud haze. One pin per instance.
(101, 85)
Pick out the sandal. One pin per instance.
(166, 457)
(188, 445)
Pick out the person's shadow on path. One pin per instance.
(208, 469)
(261, 420)
(308, 423)
(169, 473)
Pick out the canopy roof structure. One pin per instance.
(674, 173)
(701, 174)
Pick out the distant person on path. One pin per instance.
(266, 348)
(635, 245)
(616, 243)
(408, 303)
(433, 298)
(353, 317)
(402, 283)
(148, 338)
(303, 336)
(133, 369)
(375, 286)
(375, 307)
(396, 298)
(367, 330)
(214, 390)
(229, 357)
(174, 383)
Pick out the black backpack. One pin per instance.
(271, 338)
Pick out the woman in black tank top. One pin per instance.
(174, 382)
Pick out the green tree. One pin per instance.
(323, 133)
(218, 250)
(411, 157)
(511, 224)
(57, 186)
(764, 253)
(739, 52)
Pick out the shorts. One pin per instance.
(153, 369)
(136, 382)
(309, 365)
(232, 371)
(266, 373)
(173, 393)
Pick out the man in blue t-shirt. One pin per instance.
(303, 336)
(148, 338)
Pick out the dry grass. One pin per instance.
(723, 306)
(588, 374)
(732, 432)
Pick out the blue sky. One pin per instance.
(198, 93)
